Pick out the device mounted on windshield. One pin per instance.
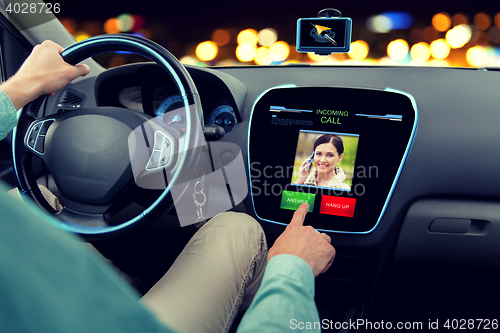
(326, 34)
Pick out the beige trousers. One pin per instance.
(217, 273)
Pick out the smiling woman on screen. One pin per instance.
(328, 151)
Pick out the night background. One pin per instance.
(181, 27)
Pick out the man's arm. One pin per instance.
(43, 72)
(285, 300)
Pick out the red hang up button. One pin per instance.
(337, 206)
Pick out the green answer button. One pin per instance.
(292, 200)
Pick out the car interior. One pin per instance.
(415, 226)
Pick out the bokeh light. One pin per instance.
(441, 21)
(399, 20)
(112, 26)
(138, 23)
(398, 49)
(267, 36)
(420, 52)
(430, 34)
(263, 56)
(497, 20)
(127, 22)
(80, 35)
(189, 60)
(206, 51)
(221, 37)
(145, 32)
(359, 50)
(494, 35)
(440, 49)
(379, 24)
(116, 61)
(246, 52)
(458, 19)
(432, 40)
(458, 36)
(477, 56)
(69, 24)
(247, 36)
(388, 21)
(482, 21)
(279, 51)
(316, 57)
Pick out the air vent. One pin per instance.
(70, 99)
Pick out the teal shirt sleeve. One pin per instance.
(8, 115)
(52, 282)
(285, 299)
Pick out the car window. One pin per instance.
(394, 34)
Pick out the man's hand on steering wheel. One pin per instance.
(43, 72)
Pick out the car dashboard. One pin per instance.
(439, 204)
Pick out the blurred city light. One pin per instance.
(440, 49)
(386, 22)
(140, 34)
(262, 56)
(359, 50)
(221, 37)
(397, 49)
(116, 61)
(138, 23)
(246, 52)
(420, 52)
(80, 35)
(458, 19)
(112, 26)
(458, 36)
(127, 22)
(267, 36)
(379, 24)
(248, 36)
(399, 20)
(279, 51)
(497, 20)
(316, 57)
(70, 25)
(475, 36)
(477, 56)
(145, 32)
(482, 21)
(494, 35)
(189, 60)
(206, 51)
(441, 22)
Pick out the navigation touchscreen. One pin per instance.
(340, 150)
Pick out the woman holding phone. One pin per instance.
(327, 152)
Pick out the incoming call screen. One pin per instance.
(338, 149)
(325, 161)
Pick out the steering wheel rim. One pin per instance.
(74, 54)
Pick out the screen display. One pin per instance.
(324, 160)
(338, 149)
(324, 35)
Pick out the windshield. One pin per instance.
(420, 33)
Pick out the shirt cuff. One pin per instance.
(293, 267)
(8, 115)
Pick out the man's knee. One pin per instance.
(236, 225)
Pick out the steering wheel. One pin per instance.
(98, 156)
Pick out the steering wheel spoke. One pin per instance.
(36, 135)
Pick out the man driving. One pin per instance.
(51, 282)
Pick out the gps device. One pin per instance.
(328, 33)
